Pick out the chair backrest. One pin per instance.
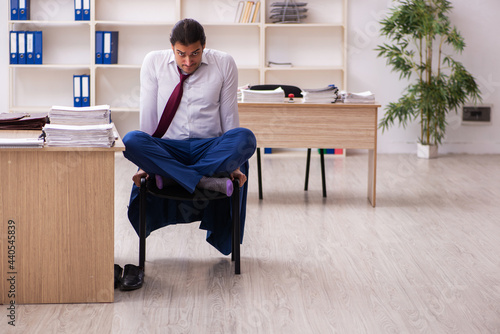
(296, 91)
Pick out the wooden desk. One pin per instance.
(61, 202)
(295, 125)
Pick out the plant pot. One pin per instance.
(427, 151)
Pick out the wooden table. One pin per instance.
(297, 125)
(57, 223)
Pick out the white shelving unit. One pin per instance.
(316, 47)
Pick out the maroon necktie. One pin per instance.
(170, 107)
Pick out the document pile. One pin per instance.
(363, 97)
(79, 127)
(328, 94)
(21, 142)
(22, 121)
(80, 115)
(276, 95)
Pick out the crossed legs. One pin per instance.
(187, 161)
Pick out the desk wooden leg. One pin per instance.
(372, 176)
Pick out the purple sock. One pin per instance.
(159, 181)
(229, 188)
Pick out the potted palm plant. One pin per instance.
(422, 40)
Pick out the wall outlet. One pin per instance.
(476, 114)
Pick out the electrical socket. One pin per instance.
(476, 114)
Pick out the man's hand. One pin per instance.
(138, 176)
(240, 176)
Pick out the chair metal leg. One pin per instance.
(323, 179)
(259, 173)
(235, 202)
(142, 223)
(308, 162)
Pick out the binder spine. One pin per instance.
(21, 47)
(38, 46)
(85, 85)
(99, 44)
(24, 9)
(30, 47)
(78, 10)
(77, 90)
(14, 9)
(86, 10)
(13, 47)
(110, 47)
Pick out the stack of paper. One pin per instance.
(80, 115)
(276, 95)
(321, 95)
(363, 97)
(100, 135)
(79, 127)
(239, 93)
(21, 142)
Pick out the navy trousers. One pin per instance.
(186, 161)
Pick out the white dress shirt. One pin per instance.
(209, 105)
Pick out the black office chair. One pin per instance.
(297, 92)
(176, 192)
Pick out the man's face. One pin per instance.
(188, 57)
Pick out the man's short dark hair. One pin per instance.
(187, 31)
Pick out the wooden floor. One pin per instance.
(425, 260)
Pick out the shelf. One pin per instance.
(135, 23)
(305, 68)
(119, 66)
(303, 25)
(31, 109)
(50, 23)
(69, 47)
(53, 66)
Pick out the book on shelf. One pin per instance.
(26, 47)
(81, 90)
(106, 47)
(20, 10)
(82, 10)
(247, 12)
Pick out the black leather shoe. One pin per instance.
(118, 275)
(133, 277)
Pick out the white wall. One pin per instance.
(479, 24)
(477, 21)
